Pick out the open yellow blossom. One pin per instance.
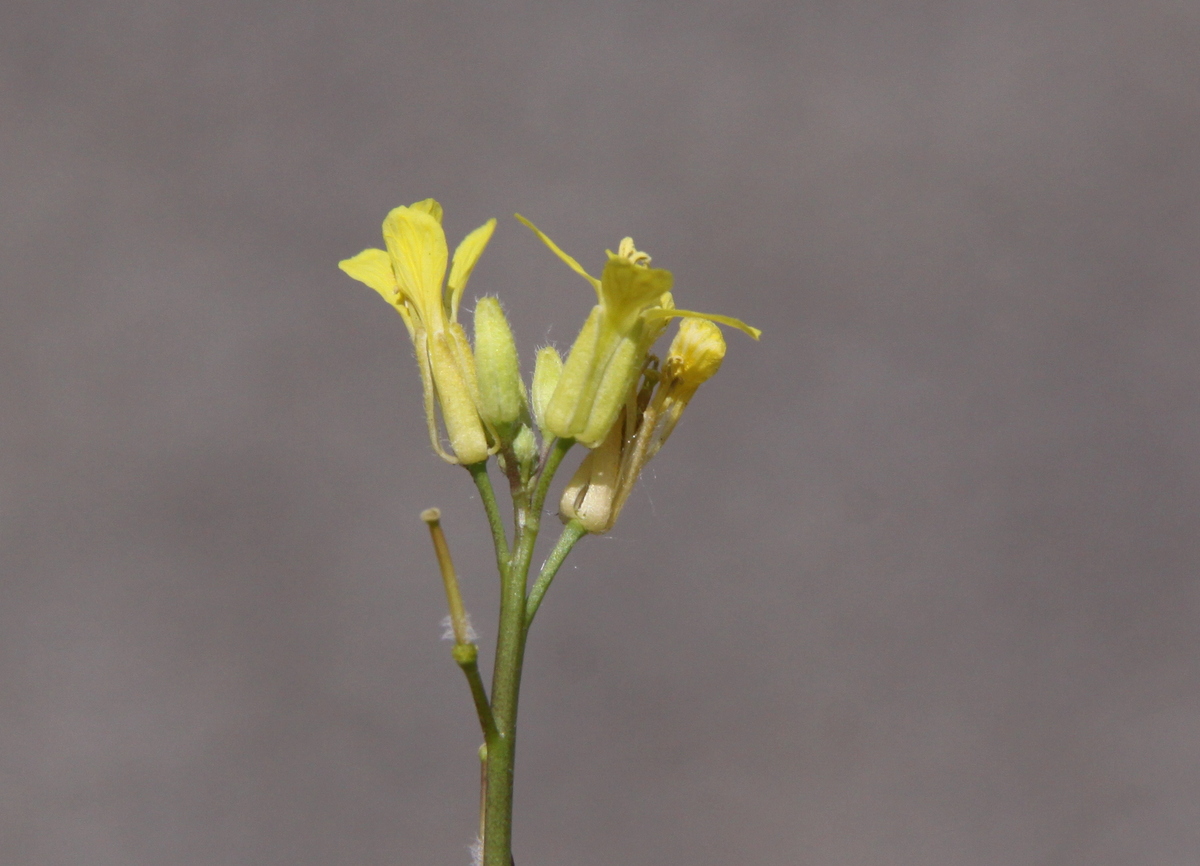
(635, 303)
(409, 276)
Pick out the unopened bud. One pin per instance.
(525, 448)
(695, 355)
(546, 371)
(501, 391)
(591, 496)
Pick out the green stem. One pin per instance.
(467, 655)
(557, 452)
(479, 474)
(506, 677)
(571, 533)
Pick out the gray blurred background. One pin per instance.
(915, 581)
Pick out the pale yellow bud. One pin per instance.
(695, 355)
(591, 495)
(547, 369)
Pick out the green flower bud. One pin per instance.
(525, 447)
(547, 370)
(501, 391)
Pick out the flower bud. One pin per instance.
(525, 448)
(501, 391)
(590, 496)
(546, 371)
(695, 356)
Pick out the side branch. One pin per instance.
(465, 652)
(571, 533)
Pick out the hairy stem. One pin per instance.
(479, 474)
(571, 533)
(506, 677)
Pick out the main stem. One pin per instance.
(506, 677)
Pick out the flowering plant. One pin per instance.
(611, 395)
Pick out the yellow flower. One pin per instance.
(409, 276)
(598, 490)
(635, 303)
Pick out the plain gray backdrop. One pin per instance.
(915, 581)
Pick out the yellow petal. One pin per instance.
(429, 206)
(571, 263)
(627, 289)
(421, 347)
(417, 246)
(373, 267)
(465, 257)
(406, 315)
(662, 313)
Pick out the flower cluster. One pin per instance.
(610, 393)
